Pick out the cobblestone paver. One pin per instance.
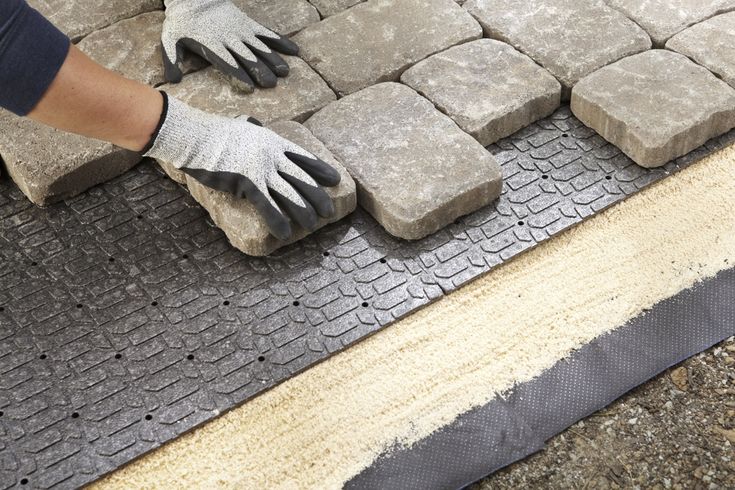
(570, 38)
(331, 7)
(377, 40)
(655, 106)
(283, 16)
(487, 87)
(664, 18)
(416, 171)
(711, 44)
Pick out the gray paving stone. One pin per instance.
(331, 7)
(77, 18)
(664, 18)
(711, 44)
(487, 87)
(295, 97)
(282, 16)
(239, 220)
(416, 171)
(376, 41)
(49, 165)
(132, 47)
(570, 38)
(655, 106)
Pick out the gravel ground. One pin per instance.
(676, 431)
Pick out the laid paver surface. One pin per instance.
(282, 16)
(416, 171)
(487, 87)
(655, 106)
(711, 44)
(664, 18)
(239, 219)
(570, 38)
(331, 7)
(376, 41)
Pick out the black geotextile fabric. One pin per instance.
(126, 319)
(507, 429)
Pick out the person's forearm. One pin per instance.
(88, 99)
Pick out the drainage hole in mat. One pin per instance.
(608, 177)
(75, 415)
(185, 256)
(521, 223)
(79, 305)
(118, 356)
(565, 135)
(190, 357)
(140, 216)
(154, 303)
(34, 263)
(226, 303)
(296, 303)
(365, 304)
(42, 356)
(383, 261)
(148, 417)
(326, 254)
(1, 413)
(24, 481)
(545, 177)
(261, 358)
(111, 259)
(2, 308)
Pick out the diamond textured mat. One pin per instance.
(126, 319)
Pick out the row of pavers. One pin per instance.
(416, 170)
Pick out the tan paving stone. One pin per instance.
(282, 16)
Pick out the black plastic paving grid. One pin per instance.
(126, 319)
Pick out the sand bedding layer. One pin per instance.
(319, 429)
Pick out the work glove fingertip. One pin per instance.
(317, 168)
(281, 44)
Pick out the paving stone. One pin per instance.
(242, 224)
(655, 106)
(664, 18)
(711, 44)
(132, 47)
(416, 171)
(295, 97)
(487, 87)
(331, 7)
(77, 18)
(570, 38)
(49, 165)
(376, 41)
(282, 16)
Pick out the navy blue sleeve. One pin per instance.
(32, 51)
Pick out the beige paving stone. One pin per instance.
(242, 224)
(331, 7)
(711, 44)
(416, 171)
(570, 38)
(487, 87)
(282, 16)
(295, 97)
(664, 18)
(49, 165)
(77, 18)
(655, 106)
(132, 47)
(377, 40)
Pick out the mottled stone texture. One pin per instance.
(487, 87)
(132, 47)
(376, 41)
(48, 165)
(711, 44)
(331, 7)
(570, 38)
(295, 97)
(416, 171)
(664, 18)
(655, 106)
(77, 18)
(282, 16)
(240, 221)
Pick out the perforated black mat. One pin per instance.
(126, 319)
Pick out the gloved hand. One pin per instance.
(240, 157)
(223, 35)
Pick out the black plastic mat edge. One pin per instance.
(508, 429)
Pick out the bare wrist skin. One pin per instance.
(88, 99)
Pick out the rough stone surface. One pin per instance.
(664, 18)
(377, 40)
(49, 165)
(655, 106)
(711, 44)
(331, 7)
(487, 87)
(416, 171)
(282, 16)
(242, 224)
(77, 18)
(132, 47)
(295, 97)
(570, 38)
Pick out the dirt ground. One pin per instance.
(676, 431)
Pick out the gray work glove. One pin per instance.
(240, 157)
(222, 34)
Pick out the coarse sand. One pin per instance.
(322, 427)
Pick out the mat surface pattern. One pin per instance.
(126, 319)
